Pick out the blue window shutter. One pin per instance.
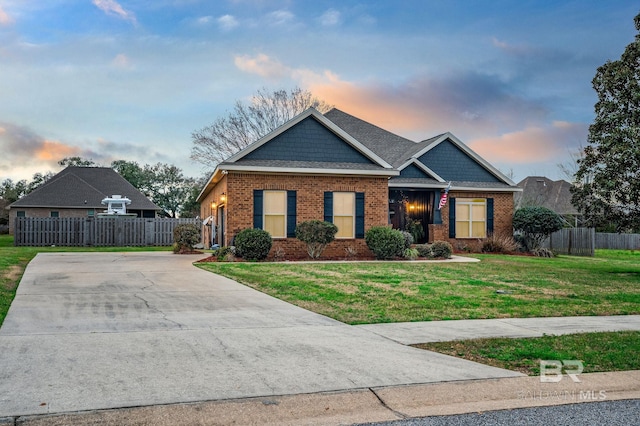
(291, 214)
(257, 208)
(328, 207)
(452, 217)
(359, 214)
(489, 216)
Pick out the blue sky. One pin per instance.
(131, 79)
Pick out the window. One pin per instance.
(344, 213)
(275, 213)
(91, 212)
(55, 214)
(471, 217)
(20, 213)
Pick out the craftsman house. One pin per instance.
(78, 192)
(341, 169)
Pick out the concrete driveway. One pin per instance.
(104, 330)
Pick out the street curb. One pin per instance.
(367, 405)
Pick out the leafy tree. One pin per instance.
(165, 184)
(249, 122)
(536, 224)
(77, 162)
(608, 179)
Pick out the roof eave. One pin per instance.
(309, 170)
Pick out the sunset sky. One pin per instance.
(131, 79)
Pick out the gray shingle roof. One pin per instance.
(391, 147)
(84, 187)
(542, 191)
(416, 181)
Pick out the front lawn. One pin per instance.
(13, 261)
(497, 287)
(615, 351)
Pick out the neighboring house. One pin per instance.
(78, 192)
(341, 169)
(552, 194)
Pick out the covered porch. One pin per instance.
(413, 210)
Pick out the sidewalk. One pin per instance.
(365, 405)
(410, 333)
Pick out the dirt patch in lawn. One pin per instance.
(11, 276)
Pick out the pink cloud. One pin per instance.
(532, 144)
(261, 65)
(5, 19)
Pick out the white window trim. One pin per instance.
(264, 212)
(470, 202)
(353, 215)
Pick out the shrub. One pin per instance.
(441, 249)
(384, 242)
(499, 244)
(224, 254)
(424, 250)
(411, 253)
(536, 224)
(316, 234)
(543, 252)
(185, 237)
(408, 239)
(253, 244)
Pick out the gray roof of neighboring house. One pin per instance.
(84, 187)
(542, 191)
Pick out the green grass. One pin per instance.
(357, 293)
(612, 351)
(13, 261)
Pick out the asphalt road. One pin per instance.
(610, 413)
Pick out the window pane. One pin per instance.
(20, 213)
(275, 225)
(343, 203)
(275, 202)
(462, 211)
(345, 226)
(478, 212)
(462, 229)
(479, 229)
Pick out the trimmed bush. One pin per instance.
(536, 224)
(408, 239)
(384, 242)
(441, 249)
(253, 244)
(424, 250)
(185, 237)
(316, 234)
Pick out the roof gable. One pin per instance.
(316, 134)
(308, 140)
(454, 161)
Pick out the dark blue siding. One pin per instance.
(451, 163)
(308, 141)
(413, 171)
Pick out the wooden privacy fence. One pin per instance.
(573, 241)
(617, 241)
(108, 231)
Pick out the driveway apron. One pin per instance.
(105, 330)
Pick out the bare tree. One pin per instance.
(249, 122)
(570, 167)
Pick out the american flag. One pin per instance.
(443, 197)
